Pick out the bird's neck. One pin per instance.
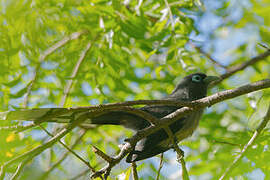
(185, 94)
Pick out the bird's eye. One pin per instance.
(196, 78)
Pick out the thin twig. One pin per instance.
(180, 153)
(208, 56)
(248, 145)
(18, 170)
(264, 46)
(68, 86)
(74, 74)
(185, 175)
(225, 142)
(233, 69)
(134, 171)
(34, 152)
(77, 141)
(42, 57)
(170, 13)
(160, 166)
(69, 149)
(83, 173)
(126, 148)
(17, 128)
(102, 154)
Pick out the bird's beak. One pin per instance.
(210, 79)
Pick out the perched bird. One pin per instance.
(191, 87)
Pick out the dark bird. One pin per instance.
(191, 87)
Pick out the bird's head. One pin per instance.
(192, 87)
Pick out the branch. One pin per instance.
(160, 166)
(208, 56)
(126, 148)
(77, 141)
(134, 171)
(70, 150)
(34, 152)
(170, 14)
(233, 69)
(74, 73)
(46, 53)
(248, 145)
(80, 174)
(180, 153)
(17, 128)
(19, 169)
(102, 154)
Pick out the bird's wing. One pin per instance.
(157, 142)
(130, 120)
(159, 111)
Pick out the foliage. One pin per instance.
(138, 50)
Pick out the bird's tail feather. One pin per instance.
(59, 115)
(66, 115)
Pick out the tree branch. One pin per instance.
(46, 53)
(233, 69)
(75, 72)
(160, 166)
(134, 171)
(208, 56)
(248, 145)
(34, 152)
(180, 153)
(77, 141)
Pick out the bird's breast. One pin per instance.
(191, 122)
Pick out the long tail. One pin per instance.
(66, 115)
(59, 115)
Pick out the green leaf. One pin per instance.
(13, 82)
